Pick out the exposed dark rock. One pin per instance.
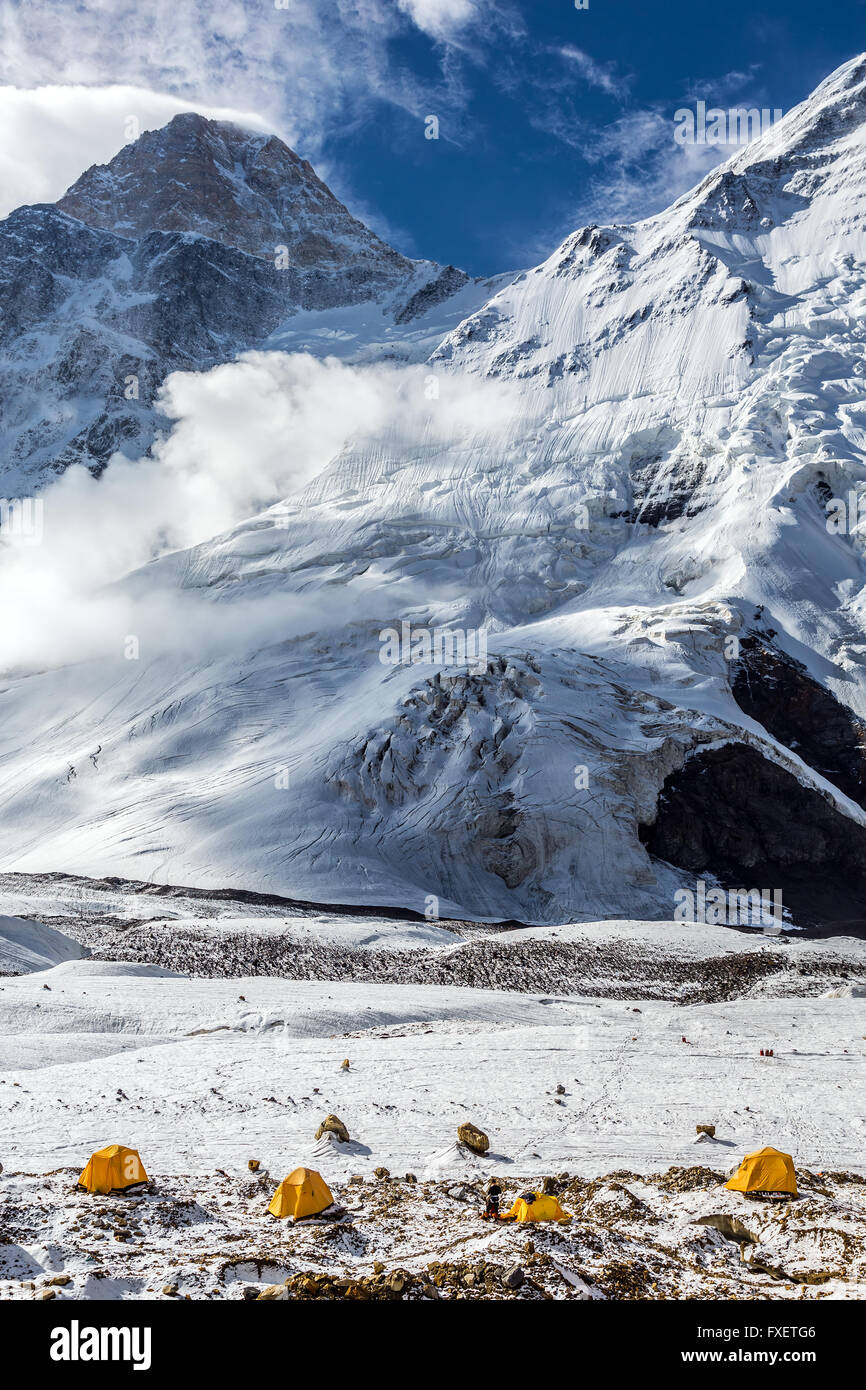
(731, 814)
(778, 692)
(447, 282)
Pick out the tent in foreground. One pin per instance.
(112, 1169)
(766, 1170)
(303, 1193)
(536, 1206)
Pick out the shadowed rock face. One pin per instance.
(779, 693)
(243, 189)
(733, 814)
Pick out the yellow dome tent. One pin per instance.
(112, 1168)
(766, 1170)
(302, 1193)
(541, 1208)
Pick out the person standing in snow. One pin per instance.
(494, 1192)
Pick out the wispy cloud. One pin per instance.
(640, 167)
(306, 68)
(604, 76)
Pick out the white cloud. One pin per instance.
(306, 70)
(245, 435)
(440, 18)
(305, 67)
(48, 135)
(601, 75)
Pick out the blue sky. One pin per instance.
(561, 116)
(549, 116)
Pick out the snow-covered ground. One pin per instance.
(202, 1075)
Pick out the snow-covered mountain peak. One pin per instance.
(241, 188)
(196, 242)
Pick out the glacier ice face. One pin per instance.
(679, 400)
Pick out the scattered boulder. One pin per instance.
(273, 1292)
(706, 1129)
(254, 1164)
(332, 1124)
(410, 1177)
(344, 1065)
(60, 1279)
(382, 1172)
(514, 1278)
(170, 1290)
(473, 1137)
(560, 1090)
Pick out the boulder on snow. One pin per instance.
(332, 1124)
(706, 1129)
(473, 1137)
(274, 1292)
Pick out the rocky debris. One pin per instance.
(254, 1165)
(677, 1234)
(382, 1173)
(507, 962)
(332, 1124)
(59, 1280)
(473, 1137)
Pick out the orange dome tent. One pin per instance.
(766, 1170)
(112, 1169)
(303, 1193)
(540, 1208)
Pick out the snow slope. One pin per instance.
(26, 946)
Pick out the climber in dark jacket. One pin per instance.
(491, 1211)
